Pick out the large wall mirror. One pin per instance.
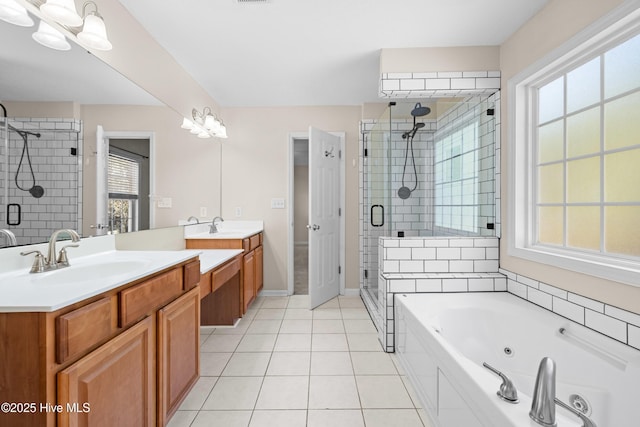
(59, 105)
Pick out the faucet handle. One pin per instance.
(508, 391)
(586, 421)
(62, 260)
(38, 262)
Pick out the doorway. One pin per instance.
(300, 216)
(125, 181)
(299, 261)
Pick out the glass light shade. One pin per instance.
(63, 11)
(186, 124)
(94, 33)
(50, 37)
(196, 129)
(211, 123)
(204, 134)
(222, 132)
(14, 13)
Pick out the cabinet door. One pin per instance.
(113, 385)
(259, 275)
(248, 279)
(178, 352)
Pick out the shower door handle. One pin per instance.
(313, 227)
(381, 216)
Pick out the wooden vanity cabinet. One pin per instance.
(81, 366)
(178, 352)
(252, 262)
(220, 294)
(113, 385)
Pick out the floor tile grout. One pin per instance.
(325, 353)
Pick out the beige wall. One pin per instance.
(187, 168)
(256, 169)
(301, 204)
(554, 25)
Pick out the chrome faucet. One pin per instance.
(61, 260)
(543, 407)
(11, 238)
(51, 262)
(507, 391)
(193, 217)
(214, 228)
(586, 421)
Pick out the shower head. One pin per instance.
(411, 133)
(419, 110)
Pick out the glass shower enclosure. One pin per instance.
(40, 177)
(430, 175)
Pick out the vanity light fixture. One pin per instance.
(205, 124)
(50, 37)
(62, 11)
(14, 13)
(94, 32)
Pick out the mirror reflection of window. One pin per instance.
(123, 178)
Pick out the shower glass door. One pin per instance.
(377, 198)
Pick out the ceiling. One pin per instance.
(307, 52)
(267, 53)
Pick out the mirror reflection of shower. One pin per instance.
(418, 110)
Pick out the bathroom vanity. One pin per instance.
(240, 235)
(113, 348)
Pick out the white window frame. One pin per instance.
(522, 88)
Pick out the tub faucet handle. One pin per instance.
(508, 391)
(586, 421)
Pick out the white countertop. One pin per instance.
(226, 230)
(21, 291)
(211, 258)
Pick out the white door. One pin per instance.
(324, 217)
(102, 153)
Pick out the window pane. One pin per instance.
(550, 142)
(621, 65)
(550, 225)
(622, 122)
(551, 103)
(622, 176)
(583, 85)
(469, 165)
(583, 180)
(583, 227)
(622, 230)
(550, 184)
(583, 133)
(469, 138)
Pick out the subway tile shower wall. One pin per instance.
(57, 170)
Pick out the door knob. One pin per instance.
(314, 227)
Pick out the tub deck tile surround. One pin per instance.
(614, 322)
(443, 275)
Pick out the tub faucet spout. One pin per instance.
(543, 407)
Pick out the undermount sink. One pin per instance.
(78, 273)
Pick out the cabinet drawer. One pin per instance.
(139, 300)
(254, 242)
(191, 275)
(223, 274)
(205, 285)
(80, 329)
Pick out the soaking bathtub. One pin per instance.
(442, 341)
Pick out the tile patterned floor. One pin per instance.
(287, 366)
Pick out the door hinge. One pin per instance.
(339, 269)
(366, 153)
(339, 211)
(339, 154)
